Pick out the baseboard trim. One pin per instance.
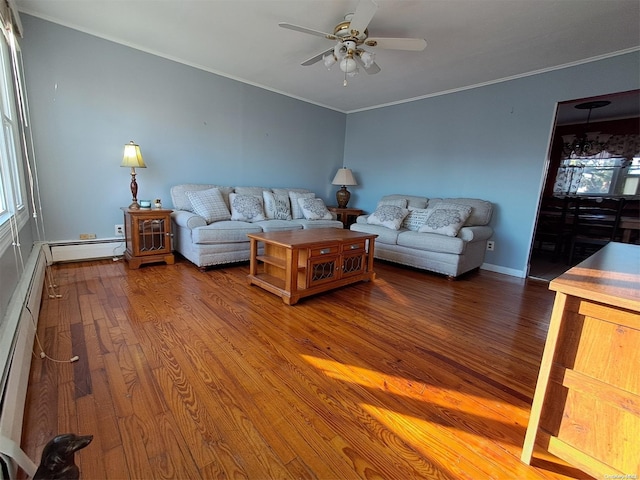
(506, 271)
(73, 251)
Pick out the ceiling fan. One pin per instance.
(351, 35)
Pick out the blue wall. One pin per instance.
(88, 97)
(489, 142)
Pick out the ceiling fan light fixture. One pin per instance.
(367, 58)
(329, 60)
(348, 65)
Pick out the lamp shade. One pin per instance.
(344, 176)
(132, 156)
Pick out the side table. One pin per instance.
(148, 236)
(346, 215)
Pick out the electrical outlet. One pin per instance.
(491, 245)
(119, 230)
(87, 236)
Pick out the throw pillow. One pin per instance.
(416, 218)
(446, 219)
(314, 209)
(209, 204)
(296, 211)
(276, 205)
(247, 208)
(389, 216)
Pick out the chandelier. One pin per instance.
(586, 144)
(345, 55)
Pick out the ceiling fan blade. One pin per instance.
(316, 58)
(365, 11)
(414, 44)
(298, 28)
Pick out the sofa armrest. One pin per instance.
(475, 234)
(362, 219)
(187, 219)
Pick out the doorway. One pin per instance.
(602, 117)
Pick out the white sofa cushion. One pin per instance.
(385, 235)
(209, 204)
(278, 225)
(225, 231)
(432, 242)
(314, 209)
(396, 202)
(413, 201)
(446, 219)
(246, 208)
(388, 216)
(257, 191)
(276, 205)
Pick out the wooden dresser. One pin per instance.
(586, 407)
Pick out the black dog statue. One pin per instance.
(58, 457)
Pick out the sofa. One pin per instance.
(210, 223)
(443, 235)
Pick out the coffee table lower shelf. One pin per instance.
(301, 263)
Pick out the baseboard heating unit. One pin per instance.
(17, 333)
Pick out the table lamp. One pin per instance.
(343, 177)
(133, 158)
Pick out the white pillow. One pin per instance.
(446, 219)
(416, 218)
(247, 208)
(276, 205)
(314, 209)
(389, 216)
(296, 211)
(209, 204)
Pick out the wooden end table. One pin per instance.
(346, 215)
(148, 236)
(299, 263)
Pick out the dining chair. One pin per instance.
(553, 228)
(595, 223)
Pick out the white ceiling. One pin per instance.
(469, 42)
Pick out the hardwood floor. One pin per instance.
(185, 374)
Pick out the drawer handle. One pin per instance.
(324, 251)
(354, 247)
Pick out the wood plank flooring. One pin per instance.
(189, 374)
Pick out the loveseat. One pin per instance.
(447, 236)
(210, 223)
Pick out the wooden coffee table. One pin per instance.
(298, 263)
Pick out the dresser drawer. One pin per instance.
(323, 251)
(355, 246)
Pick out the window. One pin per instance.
(12, 180)
(598, 175)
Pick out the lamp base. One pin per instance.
(134, 205)
(342, 196)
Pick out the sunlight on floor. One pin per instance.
(413, 389)
(391, 292)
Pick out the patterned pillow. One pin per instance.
(209, 204)
(416, 218)
(276, 205)
(314, 209)
(296, 211)
(389, 216)
(247, 208)
(446, 219)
